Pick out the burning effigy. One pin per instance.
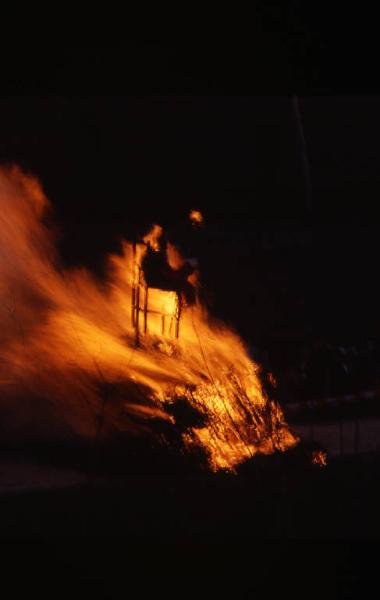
(86, 357)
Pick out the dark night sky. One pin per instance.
(119, 162)
(111, 164)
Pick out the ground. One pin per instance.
(104, 535)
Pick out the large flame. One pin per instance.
(68, 357)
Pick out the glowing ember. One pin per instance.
(196, 217)
(70, 357)
(319, 458)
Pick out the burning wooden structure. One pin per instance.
(168, 310)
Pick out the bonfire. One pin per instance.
(67, 337)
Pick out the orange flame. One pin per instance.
(319, 458)
(175, 260)
(196, 217)
(153, 236)
(68, 345)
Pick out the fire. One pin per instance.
(70, 356)
(153, 236)
(319, 458)
(196, 217)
